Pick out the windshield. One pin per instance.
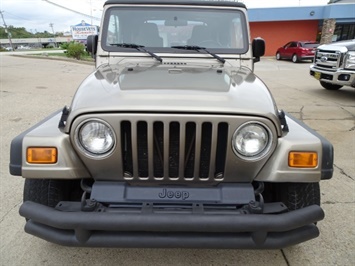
(162, 28)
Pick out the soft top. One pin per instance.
(176, 2)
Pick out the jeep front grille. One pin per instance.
(173, 150)
(328, 60)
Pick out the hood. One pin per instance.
(348, 44)
(172, 88)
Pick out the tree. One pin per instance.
(20, 32)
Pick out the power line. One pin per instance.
(12, 15)
(72, 10)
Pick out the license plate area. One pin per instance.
(120, 192)
(317, 75)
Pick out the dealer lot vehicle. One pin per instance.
(334, 65)
(172, 141)
(23, 47)
(297, 51)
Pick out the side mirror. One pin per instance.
(258, 46)
(91, 44)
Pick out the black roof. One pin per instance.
(341, 2)
(178, 2)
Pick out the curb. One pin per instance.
(55, 58)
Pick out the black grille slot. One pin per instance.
(221, 150)
(327, 51)
(126, 148)
(190, 144)
(174, 150)
(142, 149)
(158, 155)
(174, 144)
(325, 66)
(205, 150)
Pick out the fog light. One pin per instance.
(42, 155)
(344, 77)
(303, 159)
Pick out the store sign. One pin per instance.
(80, 32)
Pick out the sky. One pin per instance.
(38, 15)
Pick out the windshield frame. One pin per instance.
(111, 48)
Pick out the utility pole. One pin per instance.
(7, 31)
(39, 39)
(91, 11)
(51, 25)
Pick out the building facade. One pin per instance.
(278, 26)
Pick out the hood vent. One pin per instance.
(175, 63)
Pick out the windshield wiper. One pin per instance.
(139, 48)
(198, 48)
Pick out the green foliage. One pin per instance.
(76, 50)
(15, 33)
(65, 45)
(19, 33)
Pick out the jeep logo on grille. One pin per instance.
(324, 59)
(170, 194)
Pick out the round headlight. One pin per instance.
(252, 140)
(96, 137)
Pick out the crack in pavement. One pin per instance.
(2, 218)
(343, 172)
(330, 119)
(285, 257)
(347, 111)
(337, 202)
(301, 113)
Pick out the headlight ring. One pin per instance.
(252, 141)
(95, 138)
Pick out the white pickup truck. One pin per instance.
(334, 65)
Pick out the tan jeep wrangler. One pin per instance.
(172, 141)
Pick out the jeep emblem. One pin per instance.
(324, 59)
(170, 194)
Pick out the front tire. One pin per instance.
(329, 86)
(49, 192)
(278, 56)
(294, 195)
(298, 195)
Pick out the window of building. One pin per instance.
(344, 32)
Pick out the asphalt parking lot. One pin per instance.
(31, 89)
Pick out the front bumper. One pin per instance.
(339, 77)
(149, 229)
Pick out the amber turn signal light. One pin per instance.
(302, 159)
(42, 155)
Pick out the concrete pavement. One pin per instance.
(31, 89)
